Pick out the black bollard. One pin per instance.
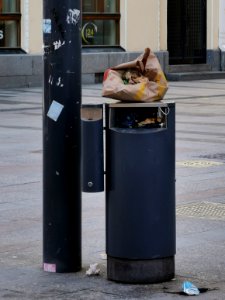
(62, 136)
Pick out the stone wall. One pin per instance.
(22, 70)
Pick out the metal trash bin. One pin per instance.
(140, 192)
(92, 148)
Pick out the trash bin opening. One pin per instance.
(133, 117)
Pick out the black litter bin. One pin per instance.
(140, 191)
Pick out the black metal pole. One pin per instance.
(62, 136)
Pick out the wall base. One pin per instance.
(222, 60)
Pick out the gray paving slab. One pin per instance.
(200, 258)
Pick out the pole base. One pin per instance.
(140, 271)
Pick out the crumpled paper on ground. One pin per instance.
(93, 270)
(190, 289)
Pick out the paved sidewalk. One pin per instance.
(200, 196)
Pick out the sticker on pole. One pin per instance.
(55, 110)
(50, 268)
(73, 16)
(47, 26)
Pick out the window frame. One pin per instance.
(12, 16)
(101, 15)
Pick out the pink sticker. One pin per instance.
(50, 267)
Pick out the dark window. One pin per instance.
(187, 31)
(10, 23)
(101, 20)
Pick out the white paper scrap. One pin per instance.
(93, 270)
(103, 256)
(55, 110)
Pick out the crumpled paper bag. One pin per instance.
(141, 80)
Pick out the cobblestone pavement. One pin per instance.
(200, 196)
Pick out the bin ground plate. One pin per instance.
(207, 210)
(140, 271)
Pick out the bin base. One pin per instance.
(140, 271)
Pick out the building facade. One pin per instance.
(180, 32)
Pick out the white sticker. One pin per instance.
(1, 35)
(55, 110)
(59, 82)
(58, 44)
(47, 26)
(73, 16)
(50, 268)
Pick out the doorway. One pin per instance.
(186, 38)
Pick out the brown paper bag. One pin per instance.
(146, 81)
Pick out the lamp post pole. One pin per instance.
(62, 136)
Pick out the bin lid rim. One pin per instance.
(163, 103)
